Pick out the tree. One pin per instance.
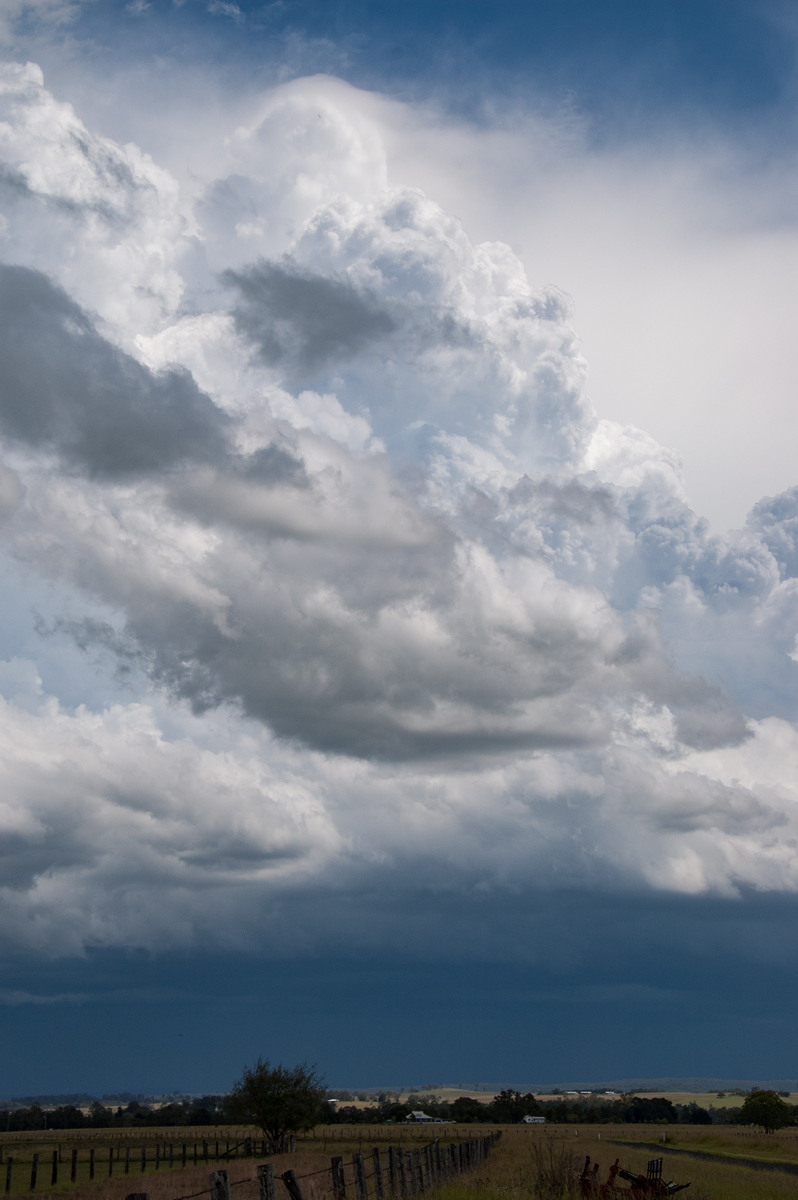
(394, 1111)
(100, 1117)
(279, 1100)
(466, 1108)
(693, 1114)
(766, 1109)
(512, 1106)
(650, 1110)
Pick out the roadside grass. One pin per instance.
(544, 1164)
(710, 1180)
(782, 1145)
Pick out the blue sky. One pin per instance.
(399, 518)
(725, 57)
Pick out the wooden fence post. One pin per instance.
(360, 1177)
(143, 1159)
(400, 1162)
(393, 1170)
(9, 1168)
(220, 1185)
(338, 1177)
(91, 1163)
(73, 1169)
(110, 1161)
(184, 1155)
(378, 1185)
(292, 1185)
(34, 1169)
(266, 1181)
(419, 1170)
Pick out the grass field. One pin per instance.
(529, 1163)
(539, 1163)
(706, 1099)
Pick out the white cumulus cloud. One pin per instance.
(319, 475)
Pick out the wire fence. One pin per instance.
(395, 1174)
(87, 1163)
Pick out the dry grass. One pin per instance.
(191, 1181)
(312, 1159)
(739, 1141)
(529, 1163)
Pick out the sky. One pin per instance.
(399, 527)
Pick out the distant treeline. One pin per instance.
(84, 1099)
(508, 1107)
(205, 1110)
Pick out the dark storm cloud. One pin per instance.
(273, 465)
(304, 322)
(64, 388)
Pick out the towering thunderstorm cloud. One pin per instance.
(382, 604)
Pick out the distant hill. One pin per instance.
(688, 1083)
(639, 1083)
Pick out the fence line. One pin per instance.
(404, 1174)
(408, 1174)
(161, 1155)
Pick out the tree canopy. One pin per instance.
(279, 1100)
(650, 1110)
(767, 1109)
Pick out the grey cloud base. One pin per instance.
(64, 388)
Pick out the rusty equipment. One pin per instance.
(650, 1186)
